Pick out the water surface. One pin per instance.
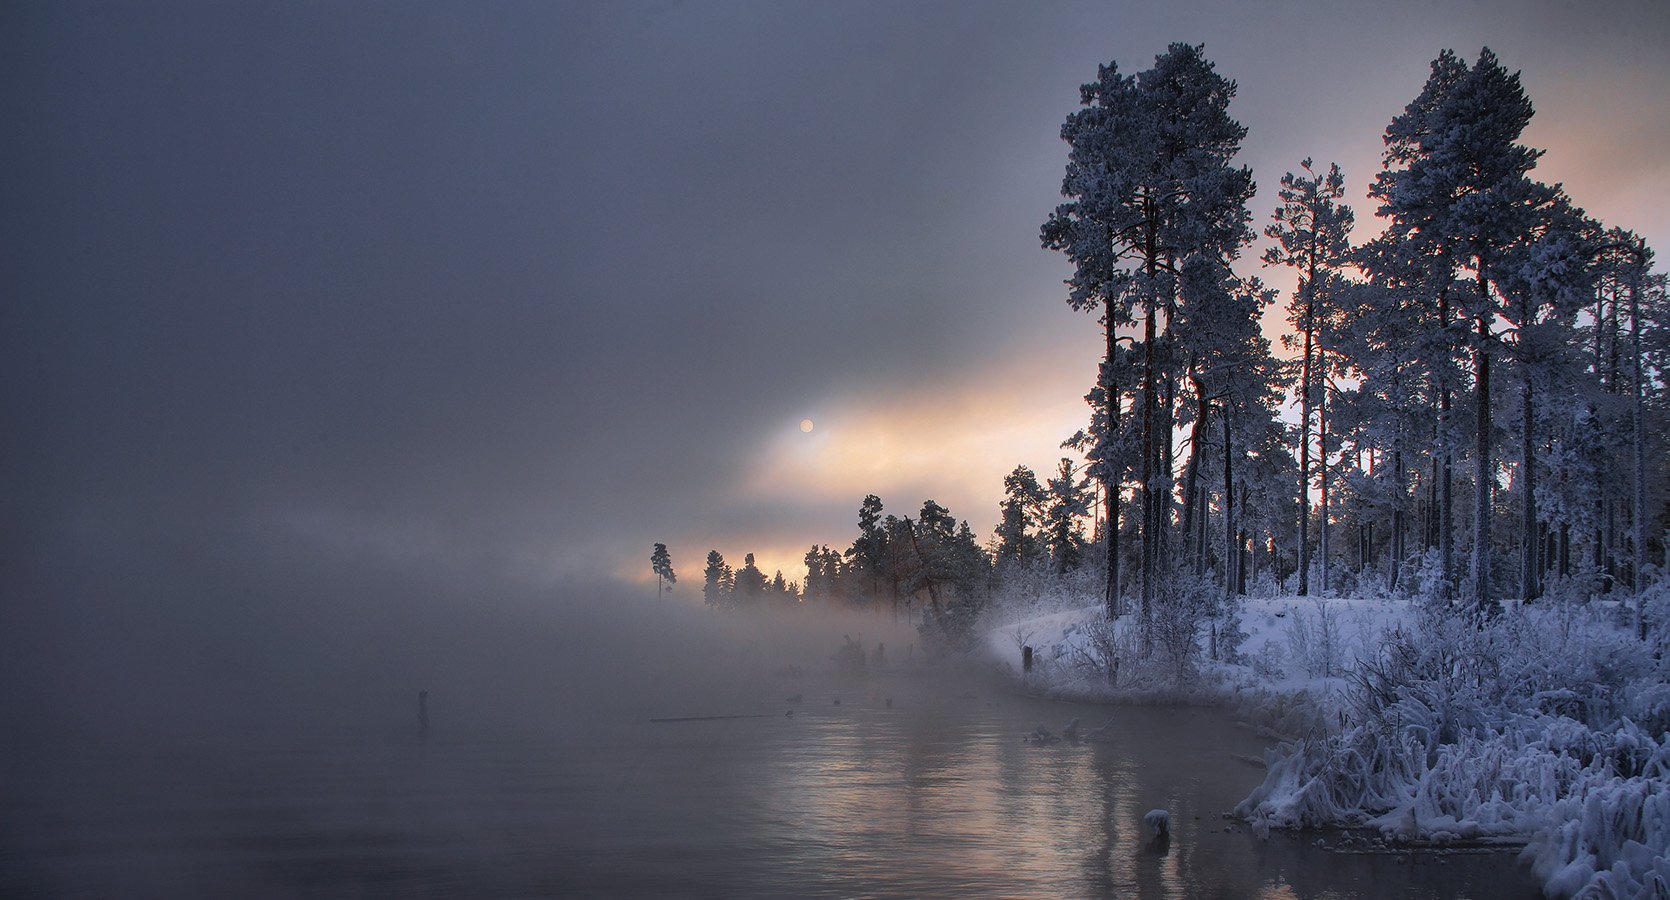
(911, 786)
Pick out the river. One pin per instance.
(897, 784)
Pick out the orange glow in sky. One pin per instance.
(951, 442)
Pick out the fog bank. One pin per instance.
(165, 641)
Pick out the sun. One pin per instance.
(806, 425)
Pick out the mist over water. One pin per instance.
(239, 638)
(262, 740)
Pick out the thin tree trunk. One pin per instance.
(1429, 524)
(1194, 511)
(1306, 398)
(1639, 438)
(1231, 560)
(1530, 588)
(1446, 483)
(1149, 379)
(1564, 569)
(1322, 466)
(1482, 470)
(1110, 470)
(1149, 451)
(1396, 561)
(1166, 507)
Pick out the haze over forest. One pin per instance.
(530, 287)
(352, 352)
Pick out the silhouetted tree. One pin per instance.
(662, 564)
(716, 580)
(750, 583)
(1021, 517)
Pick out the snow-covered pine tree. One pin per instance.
(1244, 455)
(1543, 281)
(1455, 185)
(1021, 515)
(1236, 378)
(1312, 230)
(1149, 184)
(1066, 502)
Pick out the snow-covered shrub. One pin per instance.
(1425, 577)
(1655, 612)
(1264, 584)
(1424, 683)
(1182, 604)
(1269, 662)
(1037, 589)
(1579, 587)
(1315, 637)
(1516, 727)
(1608, 835)
(1297, 630)
(1102, 647)
(1227, 634)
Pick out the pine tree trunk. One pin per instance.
(1530, 588)
(1482, 469)
(1149, 443)
(1429, 525)
(1565, 550)
(1232, 562)
(1244, 552)
(1322, 469)
(1305, 401)
(1149, 450)
(1396, 540)
(1639, 438)
(1446, 482)
(1110, 471)
(1167, 465)
(1446, 527)
(1194, 511)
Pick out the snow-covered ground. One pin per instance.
(1547, 726)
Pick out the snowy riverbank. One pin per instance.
(1546, 726)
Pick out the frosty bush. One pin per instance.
(1316, 638)
(1270, 663)
(1227, 634)
(1182, 604)
(1520, 727)
(1425, 576)
(1037, 589)
(1103, 647)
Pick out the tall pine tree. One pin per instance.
(1149, 185)
(1312, 230)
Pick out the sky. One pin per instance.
(512, 290)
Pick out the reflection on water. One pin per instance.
(933, 794)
